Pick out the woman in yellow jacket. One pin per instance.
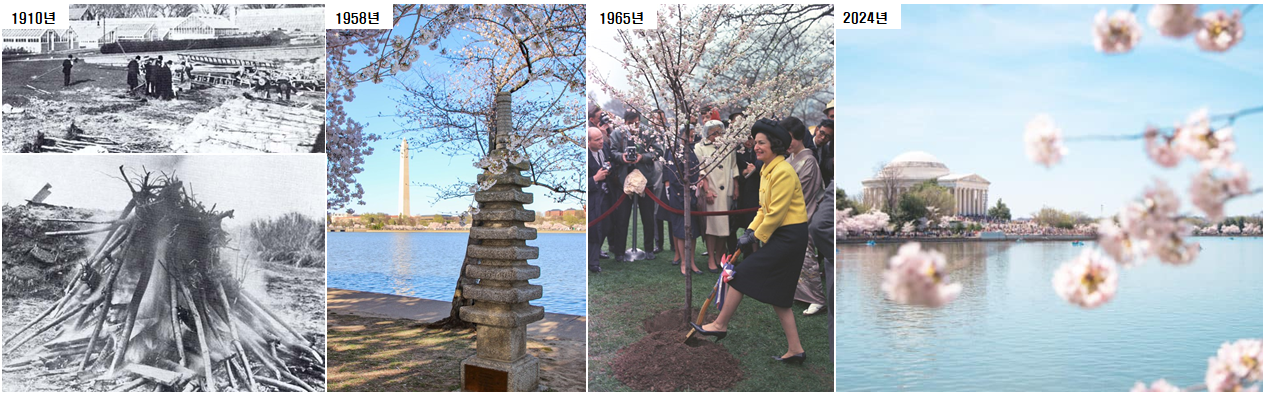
(772, 272)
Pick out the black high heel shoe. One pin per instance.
(719, 335)
(795, 359)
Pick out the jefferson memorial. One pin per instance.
(914, 167)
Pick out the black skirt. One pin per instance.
(771, 273)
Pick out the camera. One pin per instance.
(606, 165)
(605, 119)
(629, 154)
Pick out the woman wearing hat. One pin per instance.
(675, 186)
(772, 272)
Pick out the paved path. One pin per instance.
(350, 302)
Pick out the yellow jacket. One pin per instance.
(780, 199)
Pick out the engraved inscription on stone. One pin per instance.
(481, 379)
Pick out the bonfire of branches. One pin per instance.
(154, 308)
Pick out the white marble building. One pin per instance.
(914, 167)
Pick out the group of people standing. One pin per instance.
(780, 174)
(158, 74)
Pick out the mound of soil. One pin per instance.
(664, 362)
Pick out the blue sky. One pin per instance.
(962, 81)
(374, 106)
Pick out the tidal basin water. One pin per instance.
(1009, 331)
(426, 265)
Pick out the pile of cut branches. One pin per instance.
(37, 266)
(154, 308)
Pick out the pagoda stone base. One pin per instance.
(486, 375)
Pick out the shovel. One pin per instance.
(702, 312)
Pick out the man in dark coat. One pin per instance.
(643, 150)
(150, 76)
(825, 149)
(598, 192)
(66, 65)
(164, 82)
(133, 75)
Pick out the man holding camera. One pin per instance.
(635, 150)
(598, 194)
(599, 120)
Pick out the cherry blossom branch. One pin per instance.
(1228, 118)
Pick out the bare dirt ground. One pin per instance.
(97, 100)
(400, 355)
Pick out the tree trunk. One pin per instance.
(454, 321)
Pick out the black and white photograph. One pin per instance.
(168, 78)
(163, 273)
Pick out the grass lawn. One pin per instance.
(625, 294)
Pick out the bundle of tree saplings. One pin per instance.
(154, 308)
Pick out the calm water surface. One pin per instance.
(426, 265)
(1009, 331)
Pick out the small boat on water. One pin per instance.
(1077, 243)
(871, 243)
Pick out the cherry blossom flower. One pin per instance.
(1121, 246)
(1234, 366)
(1117, 33)
(1231, 229)
(1219, 31)
(1174, 20)
(1213, 185)
(1044, 141)
(1158, 386)
(1089, 281)
(1196, 139)
(1243, 358)
(1153, 217)
(1173, 249)
(918, 277)
(1161, 153)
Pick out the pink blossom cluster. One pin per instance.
(1150, 227)
(1089, 280)
(848, 224)
(1236, 367)
(1044, 141)
(1220, 178)
(1215, 31)
(1117, 33)
(1216, 183)
(1219, 31)
(1158, 386)
(918, 277)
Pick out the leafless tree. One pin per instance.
(889, 178)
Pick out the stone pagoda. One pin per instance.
(502, 295)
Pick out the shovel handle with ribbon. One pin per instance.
(717, 293)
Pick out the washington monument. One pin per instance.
(403, 179)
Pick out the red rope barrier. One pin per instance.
(713, 213)
(608, 211)
(669, 209)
